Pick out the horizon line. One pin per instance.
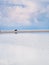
(22, 31)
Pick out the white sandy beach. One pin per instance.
(24, 49)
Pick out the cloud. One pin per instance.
(21, 14)
(24, 13)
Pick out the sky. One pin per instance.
(24, 14)
(24, 49)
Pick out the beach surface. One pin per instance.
(24, 49)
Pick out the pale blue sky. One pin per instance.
(24, 14)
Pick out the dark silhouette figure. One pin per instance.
(15, 31)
